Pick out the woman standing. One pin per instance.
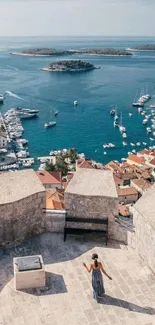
(97, 280)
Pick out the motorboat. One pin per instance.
(152, 105)
(124, 143)
(130, 114)
(50, 124)
(145, 121)
(109, 145)
(116, 123)
(138, 144)
(124, 135)
(144, 143)
(56, 113)
(122, 128)
(112, 112)
(75, 102)
(23, 115)
(138, 104)
(148, 130)
(132, 144)
(105, 153)
(152, 139)
(140, 109)
(1, 98)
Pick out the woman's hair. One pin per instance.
(95, 257)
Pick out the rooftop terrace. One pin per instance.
(67, 299)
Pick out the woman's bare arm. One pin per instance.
(104, 272)
(87, 268)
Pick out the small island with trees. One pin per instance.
(54, 52)
(143, 48)
(69, 66)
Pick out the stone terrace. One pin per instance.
(68, 299)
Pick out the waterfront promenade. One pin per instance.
(67, 299)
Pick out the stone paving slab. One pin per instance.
(67, 299)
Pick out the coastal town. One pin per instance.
(58, 210)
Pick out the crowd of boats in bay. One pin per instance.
(149, 118)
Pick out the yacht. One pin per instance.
(148, 130)
(124, 143)
(152, 106)
(138, 144)
(124, 135)
(109, 145)
(132, 144)
(138, 104)
(145, 121)
(140, 109)
(1, 98)
(116, 123)
(49, 124)
(75, 102)
(144, 143)
(130, 114)
(27, 110)
(23, 115)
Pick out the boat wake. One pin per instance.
(13, 95)
(13, 68)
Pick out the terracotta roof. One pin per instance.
(144, 152)
(49, 177)
(116, 179)
(127, 191)
(142, 184)
(84, 163)
(55, 199)
(123, 210)
(152, 154)
(115, 166)
(136, 159)
(152, 162)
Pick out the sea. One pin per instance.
(89, 125)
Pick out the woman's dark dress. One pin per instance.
(97, 284)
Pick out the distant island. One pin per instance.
(142, 48)
(70, 66)
(54, 52)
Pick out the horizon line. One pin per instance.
(77, 35)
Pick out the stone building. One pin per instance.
(143, 239)
(127, 195)
(22, 201)
(92, 193)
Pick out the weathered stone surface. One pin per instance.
(67, 297)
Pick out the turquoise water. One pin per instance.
(88, 125)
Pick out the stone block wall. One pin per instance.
(143, 240)
(55, 220)
(92, 207)
(23, 218)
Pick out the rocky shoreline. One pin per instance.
(69, 66)
(54, 52)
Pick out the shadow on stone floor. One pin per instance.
(109, 300)
(54, 285)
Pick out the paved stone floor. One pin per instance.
(67, 299)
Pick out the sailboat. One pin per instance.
(121, 127)
(116, 118)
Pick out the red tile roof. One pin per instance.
(127, 191)
(141, 183)
(55, 199)
(136, 159)
(152, 162)
(84, 163)
(49, 177)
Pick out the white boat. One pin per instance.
(148, 130)
(142, 113)
(152, 106)
(144, 143)
(1, 98)
(75, 102)
(23, 115)
(56, 113)
(130, 114)
(138, 144)
(50, 124)
(109, 145)
(140, 109)
(105, 153)
(27, 110)
(124, 143)
(112, 112)
(151, 139)
(138, 104)
(132, 144)
(145, 121)
(134, 151)
(116, 123)
(124, 135)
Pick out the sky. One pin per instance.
(77, 17)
